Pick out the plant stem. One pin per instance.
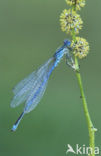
(91, 128)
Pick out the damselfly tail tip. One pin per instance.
(14, 128)
(17, 122)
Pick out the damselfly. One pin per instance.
(31, 89)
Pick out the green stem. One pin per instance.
(91, 128)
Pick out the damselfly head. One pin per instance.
(67, 43)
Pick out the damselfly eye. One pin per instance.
(67, 42)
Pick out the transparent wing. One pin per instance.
(21, 85)
(23, 90)
(34, 99)
(39, 88)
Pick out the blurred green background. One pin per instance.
(29, 35)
